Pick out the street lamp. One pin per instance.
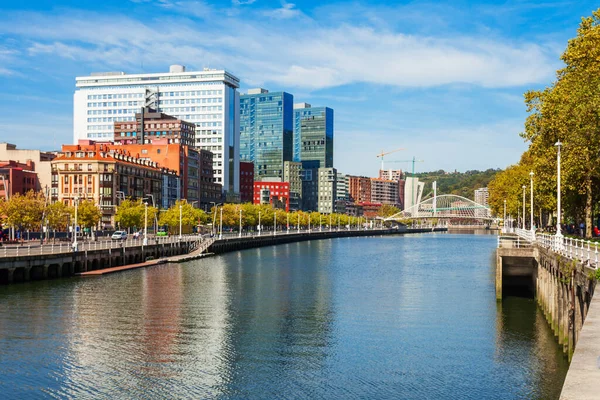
(320, 226)
(145, 241)
(75, 230)
(221, 225)
(329, 222)
(180, 219)
(504, 220)
(288, 222)
(275, 223)
(558, 232)
(531, 186)
(259, 223)
(523, 219)
(240, 235)
(216, 206)
(298, 220)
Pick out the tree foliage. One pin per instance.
(58, 215)
(88, 214)
(132, 213)
(190, 217)
(25, 211)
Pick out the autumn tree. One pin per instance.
(88, 214)
(58, 215)
(25, 211)
(190, 217)
(569, 111)
(132, 213)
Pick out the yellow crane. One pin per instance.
(385, 154)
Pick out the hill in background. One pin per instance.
(459, 183)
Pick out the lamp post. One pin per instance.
(215, 206)
(309, 223)
(155, 222)
(259, 223)
(531, 198)
(288, 223)
(504, 220)
(75, 230)
(338, 222)
(275, 223)
(320, 226)
(221, 225)
(523, 219)
(180, 218)
(329, 222)
(240, 235)
(298, 220)
(558, 231)
(145, 241)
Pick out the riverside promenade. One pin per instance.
(562, 273)
(45, 262)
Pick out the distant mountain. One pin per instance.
(459, 183)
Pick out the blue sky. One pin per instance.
(444, 80)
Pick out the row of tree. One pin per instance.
(32, 211)
(568, 111)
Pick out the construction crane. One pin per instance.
(385, 154)
(413, 161)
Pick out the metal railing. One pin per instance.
(582, 250)
(67, 247)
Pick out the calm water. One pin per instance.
(372, 318)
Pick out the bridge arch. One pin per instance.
(446, 206)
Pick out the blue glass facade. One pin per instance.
(313, 135)
(266, 132)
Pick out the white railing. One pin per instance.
(525, 234)
(33, 249)
(575, 249)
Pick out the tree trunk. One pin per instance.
(588, 207)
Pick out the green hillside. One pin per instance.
(459, 183)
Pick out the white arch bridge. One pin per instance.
(446, 206)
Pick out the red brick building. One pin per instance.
(156, 126)
(276, 193)
(246, 181)
(16, 177)
(359, 189)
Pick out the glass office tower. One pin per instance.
(313, 134)
(266, 131)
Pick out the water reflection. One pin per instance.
(393, 317)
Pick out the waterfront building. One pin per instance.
(156, 126)
(359, 188)
(266, 131)
(40, 162)
(327, 190)
(246, 181)
(277, 193)
(313, 134)
(104, 174)
(209, 99)
(342, 196)
(192, 165)
(384, 191)
(292, 173)
(18, 178)
(390, 174)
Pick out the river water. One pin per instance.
(396, 317)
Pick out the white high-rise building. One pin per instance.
(209, 99)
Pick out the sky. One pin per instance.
(442, 80)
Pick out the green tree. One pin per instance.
(58, 215)
(387, 210)
(190, 217)
(25, 211)
(88, 214)
(569, 111)
(132, 213)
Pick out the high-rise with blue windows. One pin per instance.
(266, 131)
(313, 135)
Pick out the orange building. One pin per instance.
(359, 189)
(102, 173)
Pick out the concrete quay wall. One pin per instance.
(234, 244)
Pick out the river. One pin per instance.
(395, 317)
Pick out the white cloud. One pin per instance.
(242, 2)
(287, 11)
(301, 55)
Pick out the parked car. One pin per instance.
(119, 235)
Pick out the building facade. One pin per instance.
(246, 181)
(384, 192)
(104, 175)
(18, 178)
(313, 134)
(40, 162)
(292, 173)
(266, 131)
(156, 126)
(278, 194)
(327, 190)
(209, 99)
(359, 188)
